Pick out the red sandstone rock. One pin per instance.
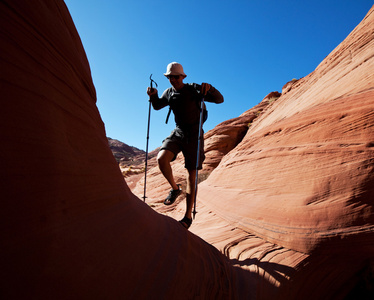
(290, 204)
(70, 227)
(305, 165)
(302, 177)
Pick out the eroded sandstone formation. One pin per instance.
(70, 227)
(302, 177)
(288, 204)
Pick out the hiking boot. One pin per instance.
(186, 222)
(173, 195)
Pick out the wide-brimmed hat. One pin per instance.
(174, 68)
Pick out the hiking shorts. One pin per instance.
(178, 141)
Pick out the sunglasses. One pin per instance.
(173, 76)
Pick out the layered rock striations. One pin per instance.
(287, 200)
(70, 227)
(300, 176)
(306, 165)
(304, 172)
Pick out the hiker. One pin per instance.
(184, 100)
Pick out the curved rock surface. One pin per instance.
(70, 227)
(304, 172)
(288, 204)
(301, 178)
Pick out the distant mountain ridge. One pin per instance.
(124, 153)
(131, 159)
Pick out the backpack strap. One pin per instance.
(171, 95)
(167, 117)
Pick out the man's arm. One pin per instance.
(157, 102)
(213, 95)
(210, 92)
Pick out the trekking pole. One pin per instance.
(194, 212)
(146, 149)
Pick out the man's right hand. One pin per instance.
(205, 87)
(151, 91)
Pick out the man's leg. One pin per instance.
(164, 158)
(190, 193)
(191, 181)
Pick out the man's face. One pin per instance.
(176, 81)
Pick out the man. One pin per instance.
(184, 100)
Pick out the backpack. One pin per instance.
(198, 103)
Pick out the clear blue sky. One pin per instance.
(246, 49)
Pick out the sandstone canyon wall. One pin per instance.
(308, 160)
(300, 177)
(288, 204)
(70, 227)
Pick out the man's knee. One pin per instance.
(160, 159)
(164, 157)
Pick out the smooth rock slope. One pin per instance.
(286, 211)
(301, 178)
(70, 227)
